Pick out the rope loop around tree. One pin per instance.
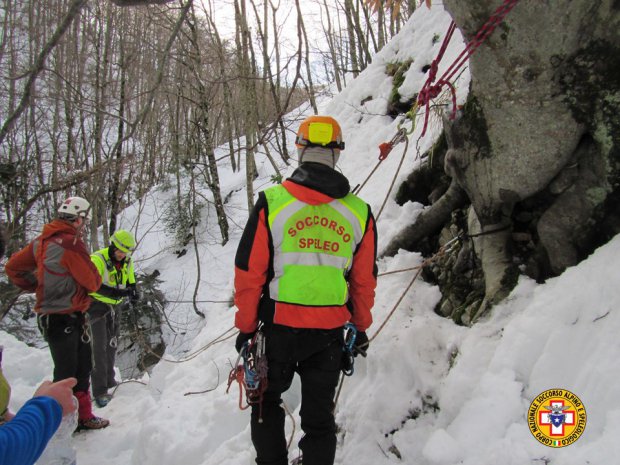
(429, 90)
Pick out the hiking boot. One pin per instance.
(92, 423)
(103, 400)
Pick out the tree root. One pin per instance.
(429, 222)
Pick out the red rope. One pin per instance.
(236, 374)
(430, 90)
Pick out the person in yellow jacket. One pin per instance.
(116, 268)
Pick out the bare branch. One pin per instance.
(74, 9)
(139, 2)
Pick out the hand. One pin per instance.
(113, 292)
(361, 344)
(242, 338)
(134, 295)
(127, 292)
(61, 391)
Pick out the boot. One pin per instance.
(92, 423)
(86, 418)
(103, 400)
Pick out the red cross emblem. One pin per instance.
(556, 416)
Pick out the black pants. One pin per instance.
(316, 355)
(105, 329)
(69, 346)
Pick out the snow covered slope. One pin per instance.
(429, 393)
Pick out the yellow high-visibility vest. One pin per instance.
(110, 276)
(313, 247)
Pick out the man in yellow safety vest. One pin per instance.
(115, 265)
(305, 266)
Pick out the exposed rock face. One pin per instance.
(565, 226)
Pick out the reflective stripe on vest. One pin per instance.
(116, 278)
(313, 247)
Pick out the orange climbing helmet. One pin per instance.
(319, 131)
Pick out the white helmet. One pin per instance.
(74, 207)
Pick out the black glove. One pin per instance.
(361, 344)
(134, 294)
(112, 292)
(241, 338)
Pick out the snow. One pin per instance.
(429, 393)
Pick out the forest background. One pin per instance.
(105, 101)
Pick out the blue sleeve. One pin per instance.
(23, 439)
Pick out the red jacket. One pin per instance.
(253, 265)
(57, 267)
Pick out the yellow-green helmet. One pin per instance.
(124, 241)
(319, 131)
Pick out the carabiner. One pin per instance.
(86, 336)
(411, 116)
(350, 334)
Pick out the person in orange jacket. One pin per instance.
(57, 267)
(305, 266)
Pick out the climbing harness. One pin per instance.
(430, 90)
(250, 372)
(350, 334)
(72, 324)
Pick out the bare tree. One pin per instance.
(72, 12)
(329, 36)
(301, 31)
(139, 2)
(245, 71)
(204, 128)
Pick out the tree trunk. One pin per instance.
(228, 99)
(329, 36)
(536, 147)
(115, 186)
(348, 11)
(243, 55)
(302, 31)
(525, 119)
(206, 141)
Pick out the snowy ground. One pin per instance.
(429, 393)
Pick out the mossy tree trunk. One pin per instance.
(528, 112)
(541, 121)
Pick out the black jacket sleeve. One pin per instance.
(112, 292)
